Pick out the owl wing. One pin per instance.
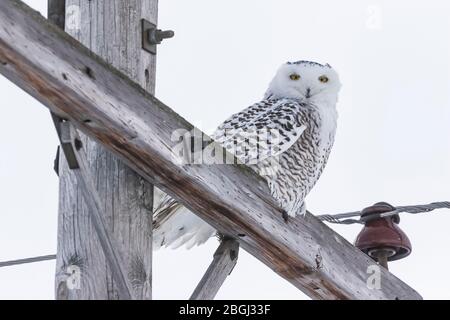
(265, 129)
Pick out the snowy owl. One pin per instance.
(300, 105)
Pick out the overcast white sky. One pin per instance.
(392, 142)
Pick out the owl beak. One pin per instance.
(308, 93)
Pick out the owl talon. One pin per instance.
(285, 216)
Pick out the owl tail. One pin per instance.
(175, 226)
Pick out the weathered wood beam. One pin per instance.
(103, 103)
(225, 258)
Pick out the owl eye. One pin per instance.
(323, 79)
(294, 76)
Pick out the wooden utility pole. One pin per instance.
(111, 29)
(135, 126)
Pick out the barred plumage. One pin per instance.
(298, 122)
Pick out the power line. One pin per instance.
(340, 218)
(27, 260)
(343, 218)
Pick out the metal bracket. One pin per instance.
(66, 144)
(152, 36)
(63, 131)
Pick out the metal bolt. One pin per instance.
(382, 255)
(156, 36)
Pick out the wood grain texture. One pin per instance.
(225, 258)
(112, 30)
(134, 125)
(113, 251)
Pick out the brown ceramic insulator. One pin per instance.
(383, 234)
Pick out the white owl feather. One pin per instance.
(298, 118)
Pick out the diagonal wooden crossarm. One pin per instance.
(225, 258)
(104, 104)
(113, 250)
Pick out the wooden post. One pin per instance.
(111, 29)
(225, 259)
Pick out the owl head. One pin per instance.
(307, 81)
